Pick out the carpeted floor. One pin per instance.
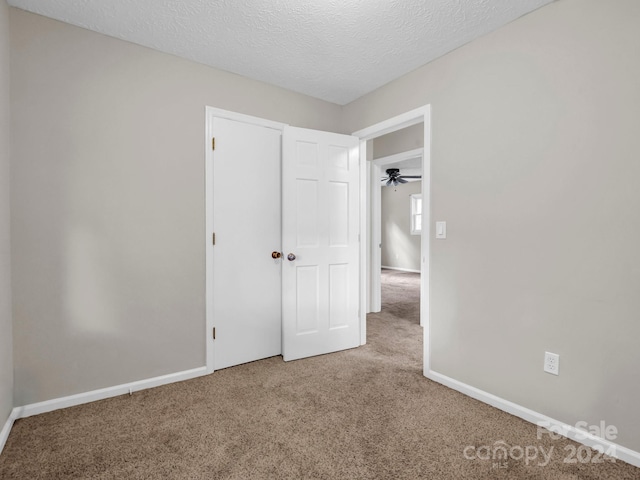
(366, 413)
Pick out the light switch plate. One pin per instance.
(441, 230)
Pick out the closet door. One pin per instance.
(247, 291)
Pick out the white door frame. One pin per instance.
(210, 114)
(413, 117)
(375, 189)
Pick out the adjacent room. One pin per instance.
(181, 181)
(398, 158)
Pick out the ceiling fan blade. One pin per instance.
(401, 180)
(389, 182)
(411, 176)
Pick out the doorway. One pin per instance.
(373, 257)
(396, 217)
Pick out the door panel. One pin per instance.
(338, 193)
(307, 213)
(321, 221)
(247, 293)
(338, 296)
(307, 300)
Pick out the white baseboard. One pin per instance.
(94, 395)
(4, 433)
(623, 453)
(401, 269)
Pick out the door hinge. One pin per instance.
(214, 333)
(213, 143)
(213, 238)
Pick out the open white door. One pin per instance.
(320, 238)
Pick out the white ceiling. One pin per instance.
(336, 50)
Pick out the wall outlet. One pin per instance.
(551, 363)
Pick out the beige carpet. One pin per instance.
(366, 413)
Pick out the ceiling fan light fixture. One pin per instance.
(394, 178)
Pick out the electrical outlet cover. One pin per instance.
(551, 363)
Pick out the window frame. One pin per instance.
(415, 200)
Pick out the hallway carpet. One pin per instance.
(366, 413)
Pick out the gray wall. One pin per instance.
(6, 355)
(535, 169)
(108, 203)
(400, 249)
(409, 138)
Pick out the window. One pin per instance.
(416, 214)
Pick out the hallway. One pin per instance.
(397, 327)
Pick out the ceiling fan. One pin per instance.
(394, 177)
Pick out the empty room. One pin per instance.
(198, 200)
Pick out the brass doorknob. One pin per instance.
(276, 255)
(291, 257)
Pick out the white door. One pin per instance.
(320, 227)
(247, 224)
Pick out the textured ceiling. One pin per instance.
(336, 50)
